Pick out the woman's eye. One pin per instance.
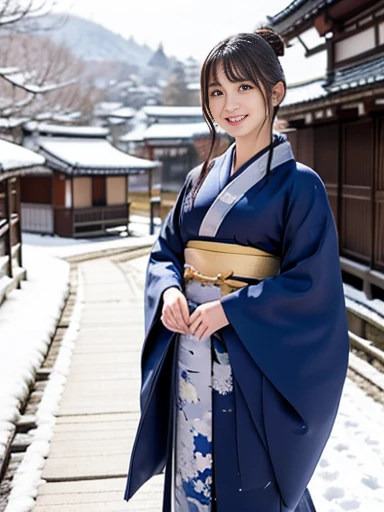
(247, 87)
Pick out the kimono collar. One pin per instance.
(254, 171)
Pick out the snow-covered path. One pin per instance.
(350, 475)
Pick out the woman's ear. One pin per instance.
(277, 93)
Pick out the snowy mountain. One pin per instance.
(89, 40)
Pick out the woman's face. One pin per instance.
(229, 101)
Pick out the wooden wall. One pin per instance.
(36, 189)
(349, 157)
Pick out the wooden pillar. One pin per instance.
(18, 228)
(8, 245)
(149, 183)
(127, 202)
(72, 208)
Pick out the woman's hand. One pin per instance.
(207, 319)
(175, 312)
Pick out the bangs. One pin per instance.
(235, 67)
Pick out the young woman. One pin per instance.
(246, 337)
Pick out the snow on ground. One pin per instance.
(357, 301)
(28, 475)
(350, 474)
(28, 319)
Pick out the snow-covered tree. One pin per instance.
(38, 78)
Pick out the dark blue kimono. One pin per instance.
(287, 341)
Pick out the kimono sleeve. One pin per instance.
(294, 328)
(166, 261)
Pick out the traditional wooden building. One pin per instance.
(178, 136)
(82, 190)
(336, 123)
(14, 161)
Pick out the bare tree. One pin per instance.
(13, 11)
(37, 77)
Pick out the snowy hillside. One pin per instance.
(89, 40)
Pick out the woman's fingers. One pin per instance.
(171, 326)
(194, 325)
(175, 309)
(172, 313)
(184, 310)
(201, 331)
(178, 315)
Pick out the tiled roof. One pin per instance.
(296, 12)
(14, 157)
(65, 131)
(172, 111)
(169, 132)
(304, 92)
(82, 157)
(358, 75)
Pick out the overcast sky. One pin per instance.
(192, 27)
(186, 27)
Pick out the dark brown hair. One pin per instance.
(245, 57)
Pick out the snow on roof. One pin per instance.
(304, 92)
(123, 112)
(194, 86)
(175, 131)
(168, 131)
(135, 135)
(90, 156)
(105, 108)
(167, 111)
(75, 131)
(14, 157)
(11, 122)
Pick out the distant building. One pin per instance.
(159, 59)
(14, 162)
(336, 122)
(192, 70)
(177, 136)
(193, 94)
(82, 190)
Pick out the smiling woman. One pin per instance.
(246, 343)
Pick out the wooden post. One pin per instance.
(149, 183)
(375, 185)
(72, 208)
(127, 201)
(8, 245)
(18, 211)
(340, 185)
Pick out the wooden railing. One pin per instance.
(10, 237)
(90, 221)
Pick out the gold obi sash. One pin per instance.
(216, 262)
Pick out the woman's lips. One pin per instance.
(236, 122)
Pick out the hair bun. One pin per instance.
(275, 41)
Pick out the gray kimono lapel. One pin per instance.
(236, 189)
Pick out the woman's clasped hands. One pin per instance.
(203, 322)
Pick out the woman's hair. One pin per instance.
(245, 57)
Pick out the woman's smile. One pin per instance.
(234, 121)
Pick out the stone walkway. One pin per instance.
(88, 461)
